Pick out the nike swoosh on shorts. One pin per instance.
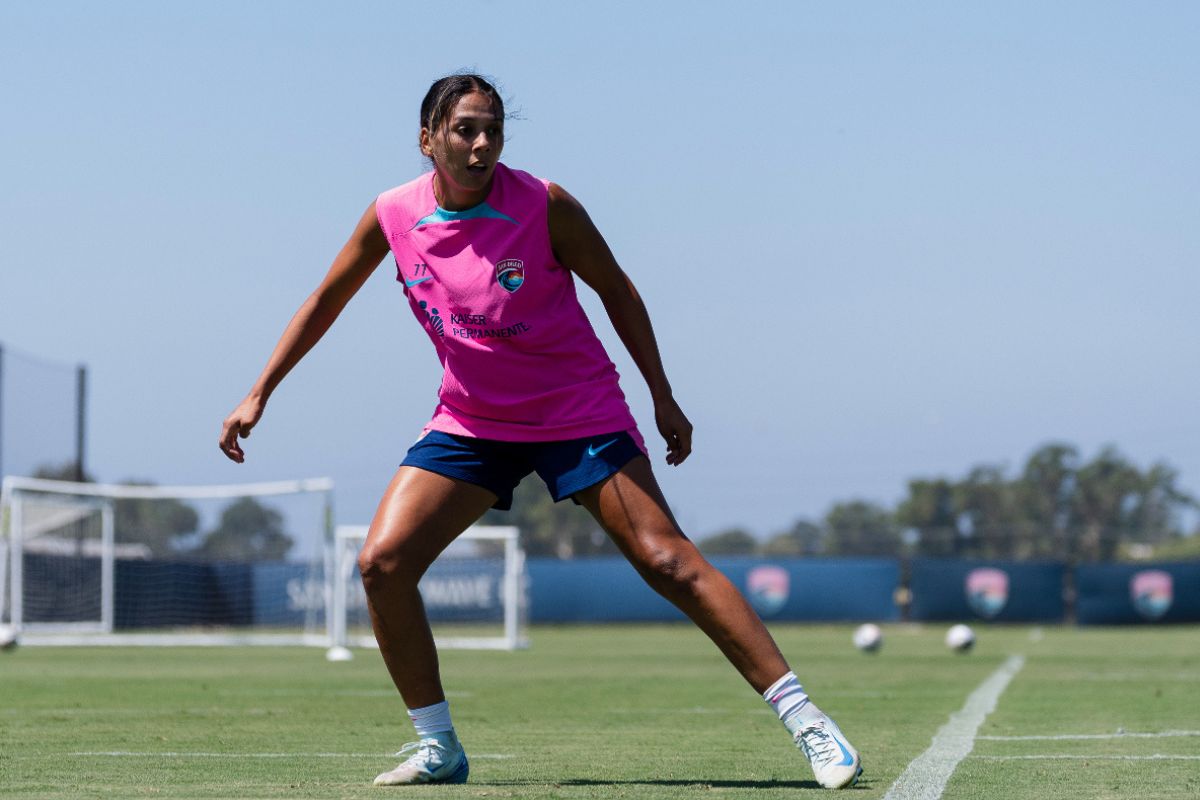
(595, 451)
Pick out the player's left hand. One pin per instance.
(674, 426)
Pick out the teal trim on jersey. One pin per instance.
(481, 211)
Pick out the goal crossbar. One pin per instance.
(119, 491)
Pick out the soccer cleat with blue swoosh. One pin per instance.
(438, 759)
(835, 763)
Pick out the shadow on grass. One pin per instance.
(768, 784)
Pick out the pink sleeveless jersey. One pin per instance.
(521, 361)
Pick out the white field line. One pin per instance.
(926, 776)
(450, 695)
(154, 754)
(1122, 677)
(756, 710)
(1063, 757)
(1071, 737)
(137, 712)
(665, 711)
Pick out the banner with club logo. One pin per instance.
(609, 590)
(1115, 594)
(1152, 592)
(1004, 591)
(987, 591)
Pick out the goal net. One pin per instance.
(474, 594)
(42, 414)
(85, 563)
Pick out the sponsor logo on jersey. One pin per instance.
(1152, 592)
(435, 321)
(987, 591)
(510, 274)
(768, 588)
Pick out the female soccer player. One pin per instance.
(486, 256)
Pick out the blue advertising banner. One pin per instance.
(159, 594)
(464, 590)
(286, 594)
(1117, 594)
(1003, 591)
(455, 590)
(152, 594)
(163, 593)
(817, 589)
(610, 590)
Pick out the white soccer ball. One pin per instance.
(960, 638)
(868, 637)
(8, 637)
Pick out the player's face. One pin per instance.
(465, 151)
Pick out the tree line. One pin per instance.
(246, 530)
(1057, 505)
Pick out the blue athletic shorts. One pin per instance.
(566, 467)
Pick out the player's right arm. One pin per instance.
(365, 249)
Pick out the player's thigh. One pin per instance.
(420, 514)
(630, 506)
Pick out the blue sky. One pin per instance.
(877, 241)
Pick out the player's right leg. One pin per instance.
(420, 515)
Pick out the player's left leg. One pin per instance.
(630, 507)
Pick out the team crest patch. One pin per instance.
(768, 588)
(1152, 592)
(510, 273)
(987, 591)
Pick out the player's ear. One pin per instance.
(426, 143)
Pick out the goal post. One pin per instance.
(475, 594)
(83, 598)
(89, 564)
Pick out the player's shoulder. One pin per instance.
(405, 192)
(521, 178)
(564, 211)
(400, 207)
(518, 194)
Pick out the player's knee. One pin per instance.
(672, 568)
(380, 567)
(371, 567)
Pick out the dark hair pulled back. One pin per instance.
(445, 92)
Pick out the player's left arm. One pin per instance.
(579, 247)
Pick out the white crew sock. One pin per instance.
(786, 696)
(431, 720)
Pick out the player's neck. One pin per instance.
(456, 198)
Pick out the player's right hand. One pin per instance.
(237, 425)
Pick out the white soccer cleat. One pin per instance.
(437, 759)
(835, 763)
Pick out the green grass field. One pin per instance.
(605, 712)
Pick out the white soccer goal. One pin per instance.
(474, 594)
(84, 563)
